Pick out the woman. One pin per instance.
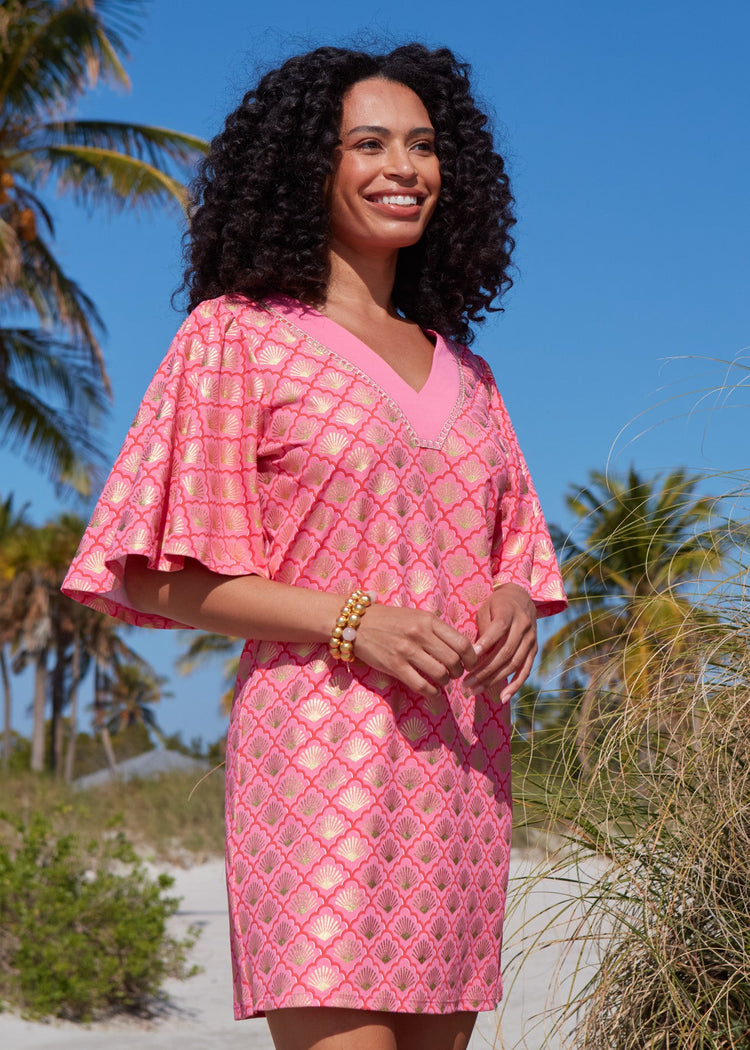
(313, 434)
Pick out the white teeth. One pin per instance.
(393, 198)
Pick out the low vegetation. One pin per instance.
(85, 929)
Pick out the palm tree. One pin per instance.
(40, 558)
(12, 526)
(202, 646)
(134, 690)
(629, 579)
(53, 382)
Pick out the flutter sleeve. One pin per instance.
(184, 484)
(522, 551)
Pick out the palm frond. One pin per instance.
(58, 301)
(202, 646)
(106, 177)
(143, 141)
(10, 255)
(52, 436)
(52, 53)
(48, 363)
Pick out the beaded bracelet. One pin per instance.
(344, 632)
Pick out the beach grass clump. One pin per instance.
(662, 805)
(85, 928)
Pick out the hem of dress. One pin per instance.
(242, 1014)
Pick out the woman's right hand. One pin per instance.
(414, 646)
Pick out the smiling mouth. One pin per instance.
(405, 200)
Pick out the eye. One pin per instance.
(368, 145)
(424, 146)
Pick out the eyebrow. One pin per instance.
(375, 129)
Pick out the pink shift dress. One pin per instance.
(368, 828)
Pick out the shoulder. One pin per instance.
(221, 334)
(218, 317)
(477, 374)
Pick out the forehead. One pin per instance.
(383, 103)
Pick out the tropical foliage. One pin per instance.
(637, 580)
(53, 382)
(202, 647)
(656, 854)
(62, 642)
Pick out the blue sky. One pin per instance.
(627, 136)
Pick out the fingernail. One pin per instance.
(477, 648)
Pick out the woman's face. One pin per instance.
(386, 176)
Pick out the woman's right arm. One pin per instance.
(414, 646)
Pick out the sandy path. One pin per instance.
(200, 1014)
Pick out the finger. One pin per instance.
(431, 669)
(499, 642)
(505, 661)
(426, 650)
(459, 645)
(518, 679)
(484, 619)
(496, 636)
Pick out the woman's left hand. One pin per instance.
(506, 645)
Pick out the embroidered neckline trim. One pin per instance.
(417, 440)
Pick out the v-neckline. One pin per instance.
(429, 411)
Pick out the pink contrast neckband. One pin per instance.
(429, 411)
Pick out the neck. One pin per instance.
(364, 283)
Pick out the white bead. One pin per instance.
(349, 634)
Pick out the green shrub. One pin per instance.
(84, 928)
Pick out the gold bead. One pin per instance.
(337, 632)
(342, 621)
(346, 647)
(360, 609)
(365, 600)
(347, 656)
(354, 620)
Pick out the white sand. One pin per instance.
(200, 1014)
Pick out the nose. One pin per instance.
(399, 162)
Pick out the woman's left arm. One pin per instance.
(506, 644)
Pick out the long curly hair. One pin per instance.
(260, 224)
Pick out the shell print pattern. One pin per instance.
(368, 828)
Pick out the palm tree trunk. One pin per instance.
(99, 720)
(7, 710)
(58, 701)
(70, 755)
(109, 751)
(38, 734)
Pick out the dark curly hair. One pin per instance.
(260, 224)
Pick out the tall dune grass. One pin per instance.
(659, 818)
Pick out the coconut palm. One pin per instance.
(13, 524)
(204, 646)
(634, 585)
(52, 377)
